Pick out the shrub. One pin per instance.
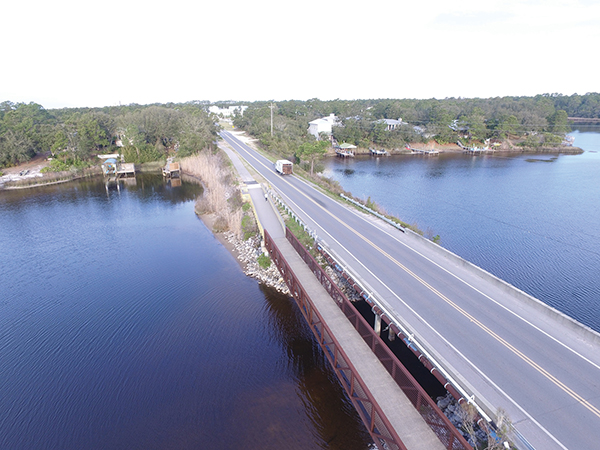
(264, 261)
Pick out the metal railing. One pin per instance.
(450, 437)
(402, 331)
(377, 424)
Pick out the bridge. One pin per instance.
(496, 345)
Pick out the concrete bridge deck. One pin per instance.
(397, 408)
(509, 350)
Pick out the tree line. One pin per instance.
(75, 135)
(536, 121)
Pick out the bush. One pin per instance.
(249, 226)
(68, 164)
(264, 261)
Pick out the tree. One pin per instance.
(475, 122)
(379, 133)
(439, 125)
(559, 122)
(91, 136)
(15, 147)
(507, 125)
(311, 151)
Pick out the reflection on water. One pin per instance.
(125, 324)
(332, 413)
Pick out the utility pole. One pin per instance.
(272, 106)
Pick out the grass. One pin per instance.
(303, 237)
(249, 226)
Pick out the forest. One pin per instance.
(73, 136)
(534, 121)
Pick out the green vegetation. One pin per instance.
(264, 261)
(65, 165)
(305, 239)
(535, 122)
(311, 152)
(249, 226)
(74, 135)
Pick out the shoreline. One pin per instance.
(246, 254)
(456, 150)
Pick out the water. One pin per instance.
(532, 220)
(125, 324)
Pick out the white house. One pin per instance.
(227, 112)
(391, 124)
(323, 125)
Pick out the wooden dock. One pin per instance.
(345, 150)
(172, 170)
(474, 150)
(381, 152)
(125, 170)
(343, 153)
(419, 151)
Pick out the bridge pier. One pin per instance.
(391, 334)
(377, 324)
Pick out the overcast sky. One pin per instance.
(73, 53)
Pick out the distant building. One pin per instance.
(318, 126)
(227, 112)
(391, 124)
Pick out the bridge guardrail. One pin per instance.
(369, 411)
(401, 329)
(450, 437)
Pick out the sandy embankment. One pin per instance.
(30, 169)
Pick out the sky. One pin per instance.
(67, 53)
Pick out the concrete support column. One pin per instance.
(377, 325)
(391, 334)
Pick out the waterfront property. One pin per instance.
(323, 125)
(114, 167)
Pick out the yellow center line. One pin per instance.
(490, 332)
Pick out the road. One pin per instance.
(542, 371)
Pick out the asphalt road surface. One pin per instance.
(544, 374)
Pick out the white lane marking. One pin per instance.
(481, 373)
(466, 283)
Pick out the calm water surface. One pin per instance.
(124, 324)
(532, 220)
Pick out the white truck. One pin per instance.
(284, 167)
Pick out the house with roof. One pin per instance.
(323, 125)
(390, 124)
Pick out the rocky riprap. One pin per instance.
(457, 416)
(248, 252)
(340, 281)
